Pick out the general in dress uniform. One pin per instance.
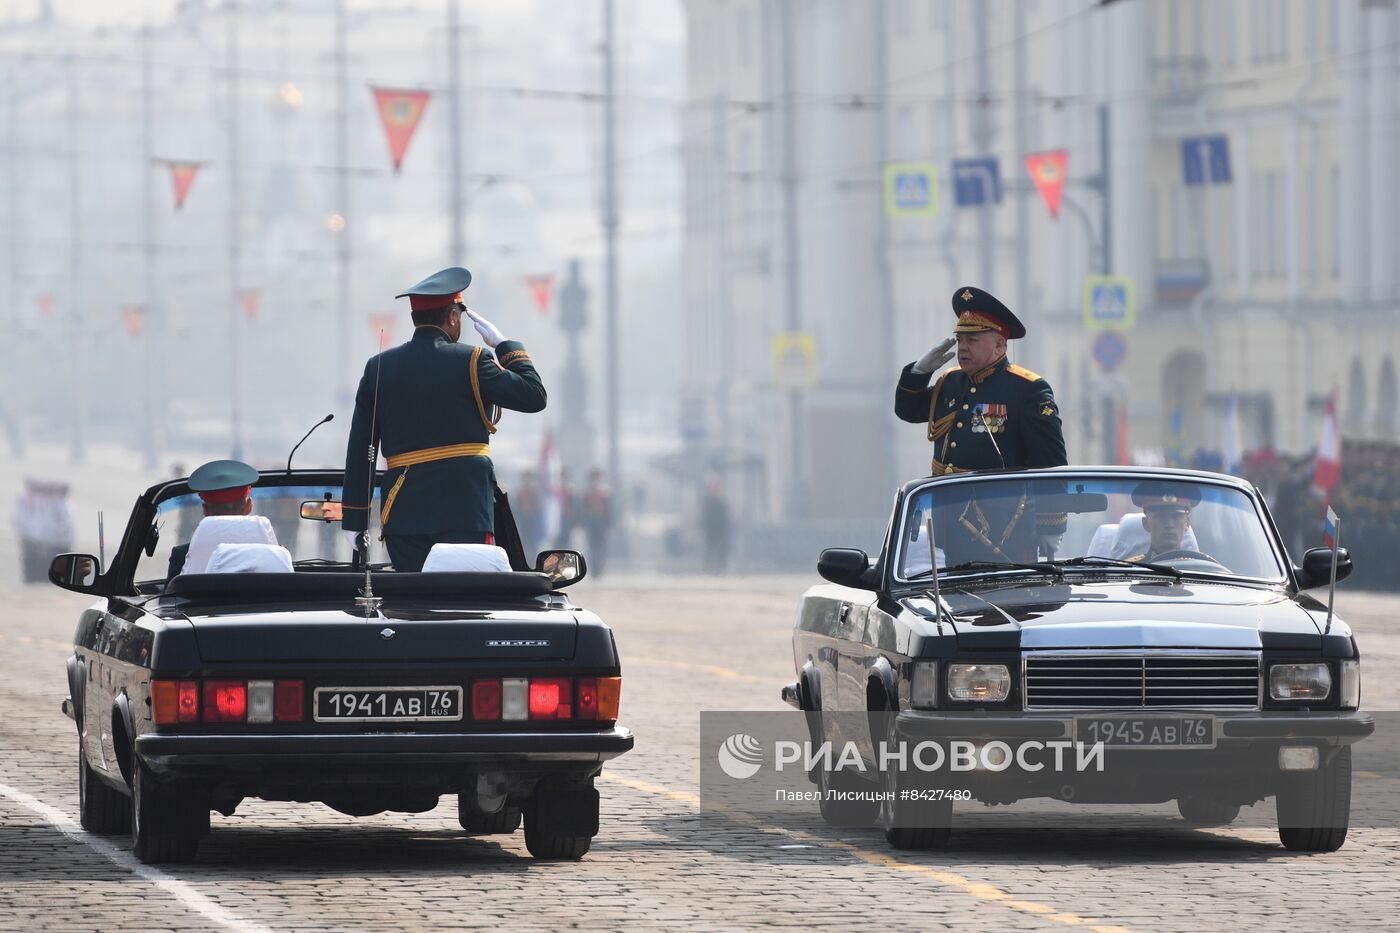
(987, 414)
(431, 406)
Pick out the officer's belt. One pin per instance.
(939, 468)
(426, 455)
(429, 454)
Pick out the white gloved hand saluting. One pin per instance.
(489, 334)
(352, 538)
(934, 359)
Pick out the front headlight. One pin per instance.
(987, 682)
(1311, 681)
(1351, 685)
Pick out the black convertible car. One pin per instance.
(1166, 625)
(304, 678)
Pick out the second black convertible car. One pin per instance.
(1167, 623)
(302, 678)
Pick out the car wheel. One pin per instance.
(561, 820)
(1207, 811)
(503, 822)
(861, 810)
(101, 809)
(912, 824)
(1314, 809)
(162, 829)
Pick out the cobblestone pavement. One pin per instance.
(688, 644)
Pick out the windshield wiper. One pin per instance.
(1119, 562)
(1040, 567)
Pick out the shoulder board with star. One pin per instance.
(1023, 372)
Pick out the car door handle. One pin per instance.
(843, 614)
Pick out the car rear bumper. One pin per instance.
(316, 758)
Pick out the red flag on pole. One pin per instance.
(540, 286)
(383, 323)
(182, 177)
(249, 297)
(132, 315)
(46, 305)
(1327, 471)
(399, 111)
(1048, 170)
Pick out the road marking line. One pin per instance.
(199, 903)
(713, 670)
(31, 640)
(977, 889)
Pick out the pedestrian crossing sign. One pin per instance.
(911, 189)
(1109, 302)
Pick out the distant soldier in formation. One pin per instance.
(431, 405)
(44, 525)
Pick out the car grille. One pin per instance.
(1144, 681)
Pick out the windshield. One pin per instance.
(1110, 524)
(307, 540)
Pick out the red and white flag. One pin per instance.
(1327, 471)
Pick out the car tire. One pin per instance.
(1314, 809)
(895, 811)
(1207, 811)
(163, 830)
(503, 822)
(101, 808)
(847, 813)
(550, 846)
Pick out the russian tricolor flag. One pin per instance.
(1329, 528)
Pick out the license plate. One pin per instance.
(1146, 731)
(388, 704)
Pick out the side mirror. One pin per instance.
(318, 510)
(845, 566)
(565, 568)
(76, 572)
(1317, 567)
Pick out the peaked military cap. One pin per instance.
(1155, 494)
(222, 481)
(979, 311)
(438, 290)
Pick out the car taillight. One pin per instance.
(287, 705)
(174, 701)
(515, 698)
(225, 701)
(597, 697)
(551, 698)
(486, 699)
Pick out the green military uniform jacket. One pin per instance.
(432, 397)
(1009, 402)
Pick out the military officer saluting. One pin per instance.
(431, 405)
(987, 414)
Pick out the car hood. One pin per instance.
(1191, 614)
(393, 634)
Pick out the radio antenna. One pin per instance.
(367, 600)
(933, 563)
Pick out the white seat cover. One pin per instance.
(250, 558)
(1133, 539)
(466, 558)
(1102, 543)
(214, 530)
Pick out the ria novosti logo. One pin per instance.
(740, 756)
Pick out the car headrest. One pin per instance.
(466, 558)
(250, 558)
(214, 530)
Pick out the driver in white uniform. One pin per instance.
(225, 490)
(1166, 515)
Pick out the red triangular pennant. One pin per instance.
(46, 305)
(1048, 170)
(383, 323)
(541, 287)
(399, 111)
(249, 297)
(182, 177)
(132, 315)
